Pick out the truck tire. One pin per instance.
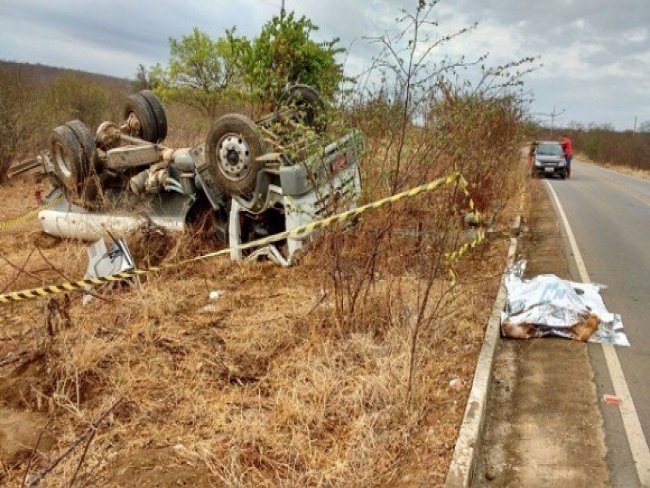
(308, 103)
(158, 111)
(231, 150)
(85, 138)
(137, 105)
(71, 166)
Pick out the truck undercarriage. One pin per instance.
(254, 178)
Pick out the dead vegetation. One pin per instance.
(302, 377)
(636, 172)
(350, 369)
(334, 372)
(262, 388)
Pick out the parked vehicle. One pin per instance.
(548, 160)
(124, 176)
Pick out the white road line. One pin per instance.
(635, 437)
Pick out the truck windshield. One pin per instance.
(549, 150)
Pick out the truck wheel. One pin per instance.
(231, 150)
(307, 103)
(85, 138)
(137, 105)
(71, 166)
(158, 111)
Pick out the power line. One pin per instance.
(553, 115)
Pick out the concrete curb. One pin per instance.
(461, 469)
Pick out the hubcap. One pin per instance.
(234, 157)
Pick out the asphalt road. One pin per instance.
(609, 214)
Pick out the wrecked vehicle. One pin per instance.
(252, 186)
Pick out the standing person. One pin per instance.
(531, 152)
(567, 147)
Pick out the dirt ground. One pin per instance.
(259, 387)
(543, 426)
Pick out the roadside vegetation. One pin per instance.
(233, 71)
(351, 368)
(604, 145)
(35, 99)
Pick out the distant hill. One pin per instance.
(43, 74)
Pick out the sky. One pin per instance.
(595, 54)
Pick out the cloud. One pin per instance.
(596, 53)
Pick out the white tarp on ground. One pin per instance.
(549, 306)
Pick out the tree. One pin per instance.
(644, 126)
(200, 71)
(142, 79)
(283, 54)
(203, 72)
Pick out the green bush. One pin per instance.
(285, 53)
(207, 74)
(199, 73)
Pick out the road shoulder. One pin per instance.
(543, 426)
(641, 174)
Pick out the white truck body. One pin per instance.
(298, 196)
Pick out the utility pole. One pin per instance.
(634, 130)
(555, 114)
(282, 11)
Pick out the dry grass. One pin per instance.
(264, 388)
(335, 372)
(637, 172)
(187, 127)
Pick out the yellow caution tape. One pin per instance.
(302, 231)
(29, 215)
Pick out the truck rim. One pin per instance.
(234, 157)
(61, 159)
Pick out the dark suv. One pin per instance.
(548, 159)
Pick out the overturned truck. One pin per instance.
(243, 175)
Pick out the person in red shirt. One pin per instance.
(531, 152)
(567, 147)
